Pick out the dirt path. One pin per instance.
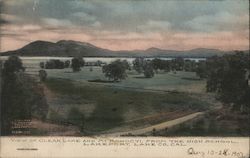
(160, 126)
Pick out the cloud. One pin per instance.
(153, 26)
(220, 21)
(51, 22)
(130, 24)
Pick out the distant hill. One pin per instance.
(70, 48)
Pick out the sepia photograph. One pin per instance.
(125, 69)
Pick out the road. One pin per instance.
(160, 126)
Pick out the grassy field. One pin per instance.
(107, 107)
(181, 81)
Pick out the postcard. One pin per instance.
(124, 78)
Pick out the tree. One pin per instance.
(148, 70)
(201, 69)
(13, 65)
(138, 64)
(116, 70)
(77, 63)
(42, 75)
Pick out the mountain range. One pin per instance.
(69, 48)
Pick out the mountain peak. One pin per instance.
(40, 42)
(71, 42)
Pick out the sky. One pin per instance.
(127, 24)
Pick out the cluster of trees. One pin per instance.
(55, 64)
(142, 65)
(228, 76)
(76, 64)
(21, 98)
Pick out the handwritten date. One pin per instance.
(221, 153)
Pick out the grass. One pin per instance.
(181, 81)
(113, 106)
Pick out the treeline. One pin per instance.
(177, 64)
(76, 62)
(116, 70)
